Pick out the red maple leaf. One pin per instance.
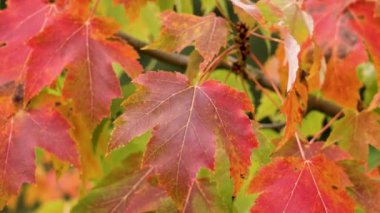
(340, 42)
(25, 19)
(185, 120)
(18, 138)
(295, 185)
(86, 46)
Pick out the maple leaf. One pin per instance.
(291, 50)
(81, 132)
(355, 131)
(185, 119)
(209, 34)
(295, 185)
(203, 197)
(310, 150)
(133, 189)
(342, 48)
(133, 7)
(85, 45)
(313, 62)
(294, 107)
(18, 23)
(368, 28)
(297, 22)
(365, 190)
(128, 189)
(20, 135)
(246, 10)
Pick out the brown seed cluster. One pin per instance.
(242, 41)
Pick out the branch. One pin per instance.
(314, 103)
(274, 126)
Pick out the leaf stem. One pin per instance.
(216, 61)
(267, 38)
(94, 9)
(300, 146)
(262, 67)
(265, 91)
(316, 136)
(254, 29)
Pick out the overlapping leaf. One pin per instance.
(18, 138)
(247, 12)
(295, 185)
(292, 50)
(310, 150)
(132, 7)
(18, 23)
(128, 189)
(365, 190)
(367, 25)
(209, 34)
(185, 120)
(298, 22)
(203, 197)
(133, 189)
(314, 63)
(355, 131)
(86, 47)
(294, 107)
(342, 47)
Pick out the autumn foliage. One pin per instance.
(190, 106)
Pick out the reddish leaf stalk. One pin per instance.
(261, 88)
(216, 61)
(300, 146)
(262, 67)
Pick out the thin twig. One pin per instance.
(275, 126)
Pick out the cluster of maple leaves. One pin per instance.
(194, 125)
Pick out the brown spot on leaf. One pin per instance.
(348, 37)
(342, 52)
(18, 96)
(328, 54)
